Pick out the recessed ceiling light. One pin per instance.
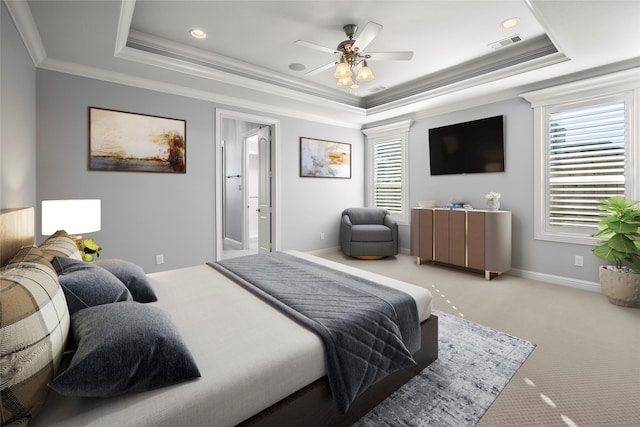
(297, 67)
(197, 33)
(510, 23)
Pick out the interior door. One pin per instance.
(264, 193)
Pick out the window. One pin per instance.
(387, 175)
(387, 166)
(586, 151)
(586, 162)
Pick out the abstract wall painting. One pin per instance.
(324, 159)
(121, 141)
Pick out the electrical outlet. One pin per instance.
(321, 236)
(579, 261)
(159, 259)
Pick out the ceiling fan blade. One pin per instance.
(369, 32)
(389, 56)
(316, 47)
(321, 69)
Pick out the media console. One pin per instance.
(474, 239)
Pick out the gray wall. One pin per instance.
(516, 185)
(144, 214)
(18, 118)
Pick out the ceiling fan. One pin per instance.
(352, 54)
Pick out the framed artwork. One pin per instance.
(121, 141)
(324, 159)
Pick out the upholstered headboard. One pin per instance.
(16, 231)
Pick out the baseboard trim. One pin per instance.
(584, 285)
(557, 280)
(232, 243)
(324, 250)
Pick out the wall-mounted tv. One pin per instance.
(470, 147)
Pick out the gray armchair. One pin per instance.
(368, 232)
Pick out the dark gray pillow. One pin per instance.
(86, 285)
(122, 348)
(132, 276)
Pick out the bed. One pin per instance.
(257, 366)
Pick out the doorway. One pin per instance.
(246, 201)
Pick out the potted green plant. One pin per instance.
(619, 235)
(89, 249)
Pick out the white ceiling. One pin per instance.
(244, 61)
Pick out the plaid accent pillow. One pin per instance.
(60, 244)
(30, 254)
(34, 323)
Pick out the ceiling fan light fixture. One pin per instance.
(345, 82)
(342, 70)
(364, 74)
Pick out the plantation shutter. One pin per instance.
(387, 175)
(586, 162)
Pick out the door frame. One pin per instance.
(219, 172)
(246, 227)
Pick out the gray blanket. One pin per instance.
(368, 330)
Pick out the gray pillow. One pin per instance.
(122, 348)
(132, 276)
(86, 285)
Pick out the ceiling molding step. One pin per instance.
(354, 120)
(539, 16)
(26, 25)
(529, 55)
(438, 91)
(230, 70)
(151, 59)
(124, 24)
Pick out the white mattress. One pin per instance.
(249, 354)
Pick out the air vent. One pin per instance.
(506, 42)
(377, 89)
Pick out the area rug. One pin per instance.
(474, 365)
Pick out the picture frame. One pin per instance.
(324, 159)
(134, 142)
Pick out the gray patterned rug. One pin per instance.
(474, 364)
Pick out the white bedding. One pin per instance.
(249, 354)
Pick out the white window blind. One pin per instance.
(586, 162)
(387, 175)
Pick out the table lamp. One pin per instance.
(73, 216)
(76, 217)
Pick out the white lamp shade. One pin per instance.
(342, 70)
(345, 82)
(365, 74)
(73, 216)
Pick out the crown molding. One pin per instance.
(336, 119)
(26, 25)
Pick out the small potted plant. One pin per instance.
(619, 234)
(89, 249)
(493, 200)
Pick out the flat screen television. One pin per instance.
(471, 147)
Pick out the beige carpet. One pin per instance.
(585, 370)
